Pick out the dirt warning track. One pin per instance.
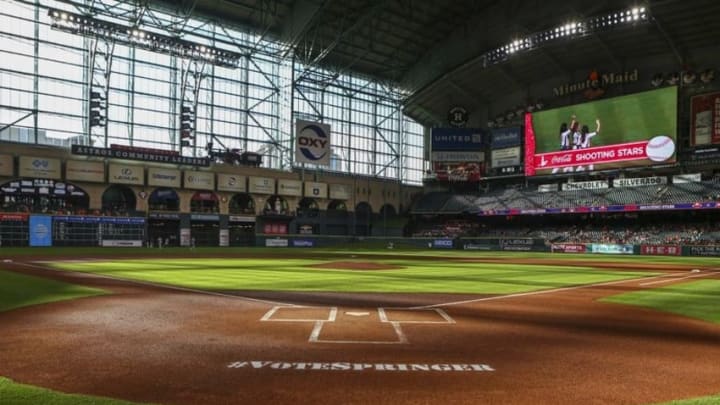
(154, 344)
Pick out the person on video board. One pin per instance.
(583, 141)
(565, 143)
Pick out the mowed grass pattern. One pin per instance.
(292, 274)
(696, 299)
(19, 290)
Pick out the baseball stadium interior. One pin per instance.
(189, 127)
(359, 201)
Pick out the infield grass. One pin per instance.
(19, 290)
(696, 299)
(711, 400)
(294, 274)
(12, 393)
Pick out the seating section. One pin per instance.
(523, 199)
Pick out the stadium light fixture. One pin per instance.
(137, 37)
(572, 29)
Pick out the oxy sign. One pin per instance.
(312, 143)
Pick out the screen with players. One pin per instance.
(634, 130)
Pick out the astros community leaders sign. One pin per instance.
(139, 155)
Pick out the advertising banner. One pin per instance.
(126, 174)
(312, 143)
(303, 243)
(121, 243)
(547, 188)
(457, 156)
(261, 185)
(687, 178)
(705, 119)
(316, 190)
(164, 177)
(184, 236)
(13, 217)
(612, 249)
(505, 137)
(568, 248)
(642, 181)
(40, 230)
(78, 170)
(39, 168)
(660, 250)
(291, 188)
(710, 250)
(276, 242)
(199, 180)
(6, 166)
(231, 182)
(458, 172)
(457, 139)
(586, 185)
(505, 157)
(442, 243)
(604, 134)
(340, 191)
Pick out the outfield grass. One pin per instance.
(293, 274)
(12, 393)
(696, 299)
(19, 290)
(711, 400)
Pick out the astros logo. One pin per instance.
(312, 141)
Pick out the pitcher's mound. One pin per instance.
(356, 266)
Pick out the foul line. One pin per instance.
(525, 294)
(158, 285)
(670, 280)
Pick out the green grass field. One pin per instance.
(293, 274)
(696, 299)
(296, 274)
(12, 393)
(19, 290)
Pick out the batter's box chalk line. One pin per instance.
(319, 322)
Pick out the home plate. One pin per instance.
(7, 260)
(357, 313)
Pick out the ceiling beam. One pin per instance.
(476, 100)
(674, 48)
(303, 17)
(359, 22)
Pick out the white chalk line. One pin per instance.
(159, 285)
(670, 280)
(318, 324)
(531, 293)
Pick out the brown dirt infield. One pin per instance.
(347, 265)
(159, 345)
